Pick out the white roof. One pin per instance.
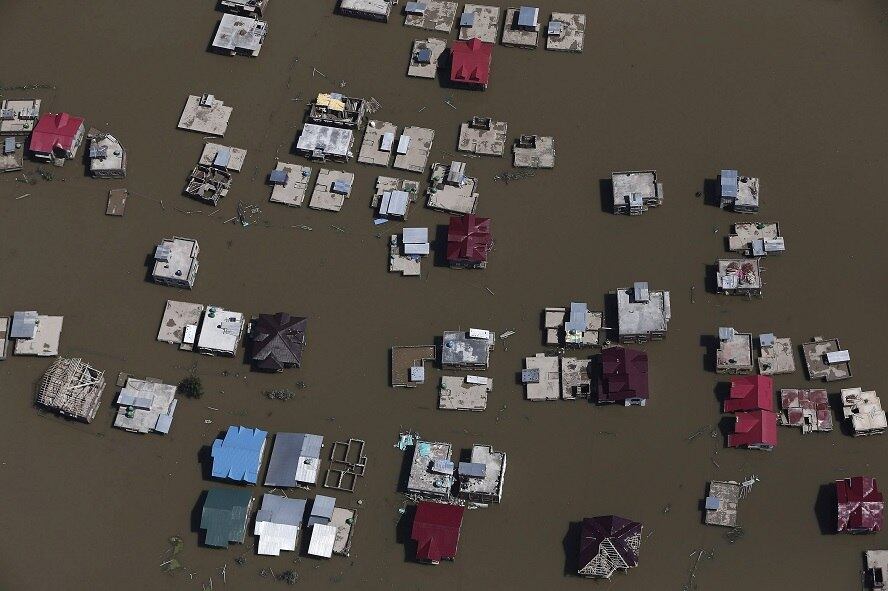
(322, 538)
(220, 330)
(480, 380)
(274, 537)
(307, 470)
(478, 333)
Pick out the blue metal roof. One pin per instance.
(467, 19)
(278, 177)
(527, 16)
(238, 455)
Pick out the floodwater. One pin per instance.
(790, 91)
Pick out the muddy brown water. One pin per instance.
(790, 91)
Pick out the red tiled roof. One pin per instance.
(750, 393)
(436, 531)
(624, 375)
(860, 506)
(468, 239)
(470, 62)
(54, 130)
(757, 427)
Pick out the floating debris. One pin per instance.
(507, 334)
(303, 227)
(172, 563)
(282, 394)
(22, 196)
(513, 176)
(734, 534)
(337, 228)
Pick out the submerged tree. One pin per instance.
(191, 387)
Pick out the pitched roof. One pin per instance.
(224, 515)
(239, 454)
(54, 130)
(470, 62)
(436, 529)
(623, 534)
(757, 427)
(750, 393)
(277, 340)
(288, 460)
(624, 374)
(860, 505)
(468, 239)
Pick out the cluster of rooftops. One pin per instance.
(295, 461)
(54, 138)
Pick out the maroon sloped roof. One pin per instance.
(757, 427)
(470, 62)
(624, 374)
(468, 239)
(277, 340)
(750, 393)
(860, 506)
(595, 530)
(436, 531)
(54, 130)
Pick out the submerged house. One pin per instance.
(72, 388)
(238, 455)
(56, 137)
(755, 429)
(481, 479)
(240, 35)
(739, 193)
(175, 262)
(643, 314)
(146, 405)
(107, 158)
(436, 528)
(860, 506)
(624, 377)
(750, 393)
(278, 523)
(295, 459)
(468, 242)
(277, 341)
(224, 516)
(608, 543)
(470, 63)
(467, 350)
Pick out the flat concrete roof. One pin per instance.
(485, 23)
(181, 259)
(293, 191)
(419, 68)
(330, 142)
(323, 196)
(45, 342)
(548, 387)
(437, 16)
(378, 143)
(227, 157)
(209, 120)
(24, 116)
(176, 317)
(516, 37)
(419, 146)
(735, 354)
(240, 34)
(422, 480)
(641, 318)
(483, 135)
(455, 393)
(534, 151)
(777, 358)
(571, 35)
(458, 199)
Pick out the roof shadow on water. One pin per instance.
(712, 192)
(606, 192)
(709, 343)
(726, 427)
(404, 473)
(402, 533)
(825, 509)
(205, 459)
(571, 545)
(195, 519)
(439, 246)
(611, 317)
(710, 279)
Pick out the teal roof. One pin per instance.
(224, 516)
